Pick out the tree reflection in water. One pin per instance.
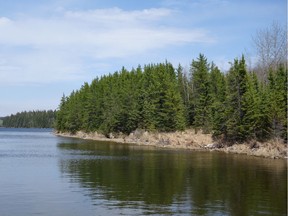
(175, 182)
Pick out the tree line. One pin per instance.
(31, 119)
(235, 106)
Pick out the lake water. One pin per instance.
(42, 174)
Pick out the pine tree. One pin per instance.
(110, 106)
(131, 103)
(171, 109)
(92, 107)
(128, 91)
(236, 130)
(218, 97)
(201, 97)
(256, 119)
(73, 123)
(148, 99)
(278, 102)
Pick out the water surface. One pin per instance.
(42, 174)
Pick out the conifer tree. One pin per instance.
(278, 101)
(93, 107)
(256, 119)
(60, 115)
(201, 98)
(235, 113)
(148, 99)
(218, 97)
(170, 107)
(73, 123)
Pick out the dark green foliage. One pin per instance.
(201, 93)
(256, 120)
(31, 119)
(252, 110)
(162, 103)
(237, 85)
(277, 96)
(235, 106)
(170, 104)
(218, 97)
(125, 101)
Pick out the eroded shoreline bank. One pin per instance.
(189, 140)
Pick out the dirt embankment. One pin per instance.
(189, 139)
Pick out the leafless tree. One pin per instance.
(271, 48)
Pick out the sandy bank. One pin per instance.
(188, 139)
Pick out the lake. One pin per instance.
(42, 174)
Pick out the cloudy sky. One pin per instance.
(50, 47)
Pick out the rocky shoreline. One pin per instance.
(189, 139)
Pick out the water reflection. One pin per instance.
(175, 182)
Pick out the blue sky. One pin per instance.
(50, 47)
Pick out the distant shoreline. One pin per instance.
(189, 140)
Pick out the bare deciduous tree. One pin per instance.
(271, 48)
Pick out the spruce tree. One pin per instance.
(171, 109)
(218, 97)
(278, 101)
(201, 95)
(236, 129)
(256, 118)
(148, 99)
(60, 115)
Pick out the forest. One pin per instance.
(30, 119)
(234, 106)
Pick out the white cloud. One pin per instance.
(4, 21)
(119, 16)
(57, 48)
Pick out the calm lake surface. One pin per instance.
(42, 174)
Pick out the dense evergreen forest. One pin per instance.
(31, 119)
(235, 106)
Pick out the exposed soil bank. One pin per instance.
(188, 139)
